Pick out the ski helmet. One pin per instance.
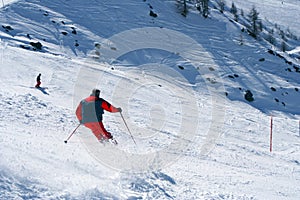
(95, 92)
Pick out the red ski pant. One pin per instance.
(98, 129)
(38, 84)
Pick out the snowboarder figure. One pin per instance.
(89, 113)
(38, 81)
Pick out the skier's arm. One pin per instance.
(78, 112)
(110, 108)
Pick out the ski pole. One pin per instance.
(66, 141)
(127, 128)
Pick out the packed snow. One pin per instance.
(181, 82)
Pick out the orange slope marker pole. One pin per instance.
(271, 133)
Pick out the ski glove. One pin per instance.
(120, 109)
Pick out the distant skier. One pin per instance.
(89, 112)
(38, 81)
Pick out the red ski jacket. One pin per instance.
(92, 108)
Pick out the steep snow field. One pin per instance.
(170, 75)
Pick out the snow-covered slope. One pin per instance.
(170, 75)
(280, 12)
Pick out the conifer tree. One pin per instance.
(202, 6)
(253, 15)
(205, 8)
(234, 11)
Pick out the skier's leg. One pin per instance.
(38, 84)
(96, 129)
(104, 132)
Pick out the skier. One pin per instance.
(38, 81)
(89, 112)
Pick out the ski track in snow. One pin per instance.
(232, 163)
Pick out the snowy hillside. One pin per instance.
(181, 82)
